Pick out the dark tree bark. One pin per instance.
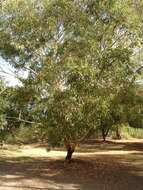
(104, 133)
(1, 143)
(70, 150)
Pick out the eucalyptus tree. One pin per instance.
(79, 56)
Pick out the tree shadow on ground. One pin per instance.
(102, 172)
(98, 145)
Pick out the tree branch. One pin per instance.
(137, 71)
(34, 72)
(87, 134)
(23, 120)
(2, 91)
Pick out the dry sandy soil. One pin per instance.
(95, 166)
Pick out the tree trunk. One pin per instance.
(1, 143)
(118, 133)
(70, 149)
(103, 136)
(104, 133)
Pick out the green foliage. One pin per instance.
(133, 132)
(3, 105)
(25, 135)
(127, 132)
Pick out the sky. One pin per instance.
(8, 73)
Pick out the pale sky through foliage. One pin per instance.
(8, 73)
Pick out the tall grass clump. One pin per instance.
(128, 132)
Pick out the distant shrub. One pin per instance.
(127, 132)
(133, 132)
(25, 134)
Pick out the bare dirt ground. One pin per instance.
(95, 166)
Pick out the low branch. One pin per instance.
(23, 120)
(87, 134)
